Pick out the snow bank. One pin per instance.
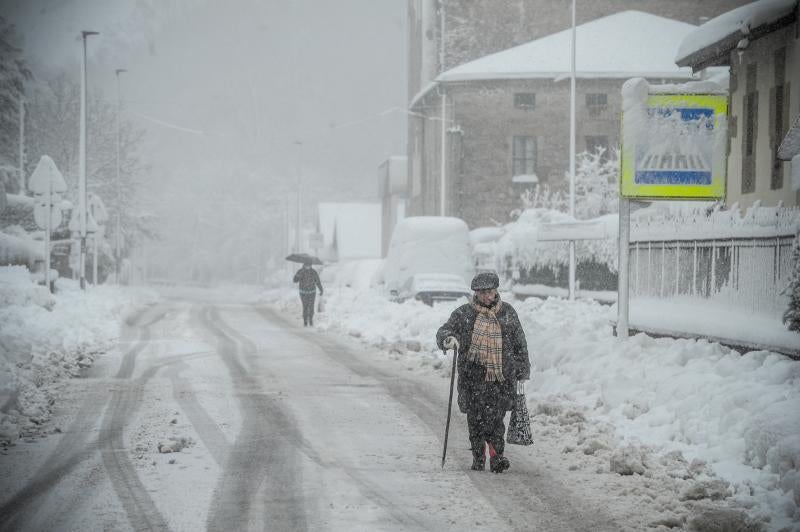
(45, 338)
(662, 406)
(358, 274)
(19, 250)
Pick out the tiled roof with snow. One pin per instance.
(718, 36)
(622, 45)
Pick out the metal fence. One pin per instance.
(751, 273)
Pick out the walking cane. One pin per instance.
(450, 402)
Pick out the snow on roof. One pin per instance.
(622, 45)
(790, 147)
(721, 34)
(353, 229)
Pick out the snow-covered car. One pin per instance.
(433, 287)
(427, 247)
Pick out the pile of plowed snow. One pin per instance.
(45, 338)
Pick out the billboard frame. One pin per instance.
(715, 190)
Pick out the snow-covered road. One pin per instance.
(274, 427)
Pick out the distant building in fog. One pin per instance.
(349, 230)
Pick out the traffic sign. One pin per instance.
(97, 209)
(75, 223)
(46, 172)
(578, 230)
(40, 214)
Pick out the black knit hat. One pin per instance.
(485, 281)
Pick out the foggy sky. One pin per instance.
(267, 72)
(254, 76)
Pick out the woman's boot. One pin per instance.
(478, 459)
(497, 462)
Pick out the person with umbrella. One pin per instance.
(492, 357)
(308, 283)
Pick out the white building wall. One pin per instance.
(761, 53)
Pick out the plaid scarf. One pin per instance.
(487, 341)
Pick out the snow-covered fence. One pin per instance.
(751, 273)
(742, 260)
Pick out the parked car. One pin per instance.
(427, 255)
(433, 287)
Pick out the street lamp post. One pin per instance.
(299, 185)
(572, 158)
(22, 186)
(118, 236)
(82, 161)
(443, 155)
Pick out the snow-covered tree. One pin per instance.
(596, 190)
(13, 74)
(54, 129)
(542, 197)
(792, 315)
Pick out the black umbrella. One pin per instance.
(304, 258)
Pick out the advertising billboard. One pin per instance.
(674, 147)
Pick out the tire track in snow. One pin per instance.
(73, 448)
(138, 505)
(299, 443)
(367, 487)
(543, 504)
(260, 452)
(208, 430)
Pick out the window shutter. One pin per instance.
(772, 118)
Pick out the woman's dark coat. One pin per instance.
(516, 365)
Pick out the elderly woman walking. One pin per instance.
(492, 357)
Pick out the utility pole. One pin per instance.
(623, 287)
(297, 236)
(572, 159)
(118, 236)
(21, 145)
(443, 155)
(82, 161)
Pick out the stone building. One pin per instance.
(484, 114)
(507, 114)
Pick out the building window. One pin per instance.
(524, 156)
(749, 131)
(594, 143)
(525, 100)
(596, 103)
(778, 117)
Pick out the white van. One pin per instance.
(429, 259)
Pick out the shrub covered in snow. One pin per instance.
(792, 315)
